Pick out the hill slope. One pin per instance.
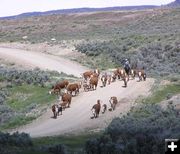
(79, 10)
(176, 3)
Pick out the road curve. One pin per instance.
(41, 60)
(77, 118)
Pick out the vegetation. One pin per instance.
(48, 145)
(141, 131)
(151, 42)
(10, 144)
(23, 94)
(162, 93)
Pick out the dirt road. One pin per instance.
(77, 118)
(41, 60)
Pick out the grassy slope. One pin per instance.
(153, 40)
(23, 100)
(163, 93)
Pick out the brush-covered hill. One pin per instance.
(80, 10)
(176, 3)
(149, 38)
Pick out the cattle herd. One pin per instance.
(89, 82)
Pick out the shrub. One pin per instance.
(3, 94)
(19, 77)
(141, 131)
(16, 139)
(54, 149)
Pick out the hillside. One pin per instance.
(149, 38)
(80, 10)
(176, 3)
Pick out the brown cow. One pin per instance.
(57, 88)
(116, 73)
(96, 109)
(54, 110)
(142, 75)
(113, 77)
(93, 82)
(122, 73)
(73, 87)
(113, 102)
(87, 75)
(64, 104)
(133, 73)
(125, 78)
(109, 79)
(104, 79)
(97, 71)
(66, 98)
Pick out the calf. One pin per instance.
(56, 109)
(104, 108)
(96, 109)
(113, 102)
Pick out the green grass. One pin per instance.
(21, 97)
(22, 100)
(17, 121)
(162, 93)
(73, 142)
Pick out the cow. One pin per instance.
(141, 74)
(97, 71)
(57, 88)
(104, 108)
(125, 78)
(73, 87)
(133, 73)
(64, 104)
(116, 73)
(66, 98)
(113, 77)
(96, 109)
(109, 79)
(123, 73)
(104, 79)
(113, 102)
(56, 109)
(86, 86)
(87, 75)
(93, 82)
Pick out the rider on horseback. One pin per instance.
(127, 66)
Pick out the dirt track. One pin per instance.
(41, 60)
(77, 118)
